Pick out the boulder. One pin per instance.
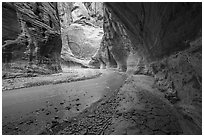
(83, 39)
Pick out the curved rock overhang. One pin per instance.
(158, 29)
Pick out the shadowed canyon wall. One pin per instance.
(168, 42)
(115, 45)
(11, 31)
(159, 29)
(156, 30)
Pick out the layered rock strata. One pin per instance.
(40, 26)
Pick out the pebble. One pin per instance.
(78, 104)
(67, 108)
(47, 113)
(65, 120)
(61, 103)
(21, 123)
(89, 116)
(56, 117)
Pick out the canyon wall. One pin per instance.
(39, 26)
(159, 29)
(115, 45)
(167, 43)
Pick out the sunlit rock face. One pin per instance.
(40, 28)
(79, 11)
(65, 13)
(83, 39)
(94, 8)
(95, 11)
(81, 31)
(159, 29)
(65, 10)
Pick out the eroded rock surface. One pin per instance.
(115, 45)
(159, 29)
(40, 33)
(152, 39)
(178, 77)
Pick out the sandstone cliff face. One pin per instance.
(162, 36)
(81, 35)
(95, 11)
(159, 29)
(117, 39)
(10, 29)
(103, 58)
(40, 26)
(179, 77)
(65, 9)
(115, 45)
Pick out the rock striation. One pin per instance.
(159, 29)
(40, 28)
(167, 45)
(115, 45)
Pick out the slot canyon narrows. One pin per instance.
(101, 68)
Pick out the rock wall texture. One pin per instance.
(167, 44)
(117, 39)
(115, 45)
(179, 78)
(103, 58)
(83, 39)
(95, 11)
(11, 31)
(65, 10)
(40, 26)
(81, 35)
(159, 29)
(79, 12)
(94, 8)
